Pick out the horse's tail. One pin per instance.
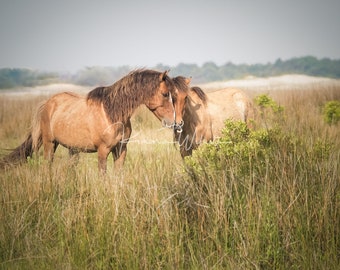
(32, 143)
(36, 128)
(19, 154)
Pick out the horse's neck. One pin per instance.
(196, 120)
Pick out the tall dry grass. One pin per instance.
(153, 215)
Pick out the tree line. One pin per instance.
(18, 77)
(208, 72)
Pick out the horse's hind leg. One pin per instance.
(49, 148)
(48, 141)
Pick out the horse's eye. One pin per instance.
(166, 95)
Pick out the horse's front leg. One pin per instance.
(103, 152)
(120, 150)
(119, 155)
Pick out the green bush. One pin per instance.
(331, 112)
(270, 112)
(264, 101)
(237, 145)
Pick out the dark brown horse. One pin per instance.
(100, 121)
(204, 113)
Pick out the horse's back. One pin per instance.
(65, 97)
(231, 103)
(228, 103)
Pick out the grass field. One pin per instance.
(282, 214)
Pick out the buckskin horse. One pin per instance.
(204, 113)
(100, 121)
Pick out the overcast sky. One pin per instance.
(72, 34)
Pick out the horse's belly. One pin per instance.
(79, 139)
(86, 137)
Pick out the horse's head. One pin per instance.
(182, 89)
(161, 103)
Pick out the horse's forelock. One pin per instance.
(181, 84)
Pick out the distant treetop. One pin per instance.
(208, 72)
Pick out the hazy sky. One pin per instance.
(71, 34)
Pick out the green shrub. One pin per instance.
(331, 112)
(264, 101)
(238, 145)
(270, 112)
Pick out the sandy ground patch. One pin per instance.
(44, 90)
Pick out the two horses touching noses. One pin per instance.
(100, 121)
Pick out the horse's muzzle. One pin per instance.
(178, 127)
(167, 124)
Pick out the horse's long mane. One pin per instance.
(200, 93)
(125, 95)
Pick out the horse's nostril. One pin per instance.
(178, 127)
(180, 124)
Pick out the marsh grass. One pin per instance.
(281, 212)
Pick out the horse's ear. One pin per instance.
(163, 75)
(188, 80)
